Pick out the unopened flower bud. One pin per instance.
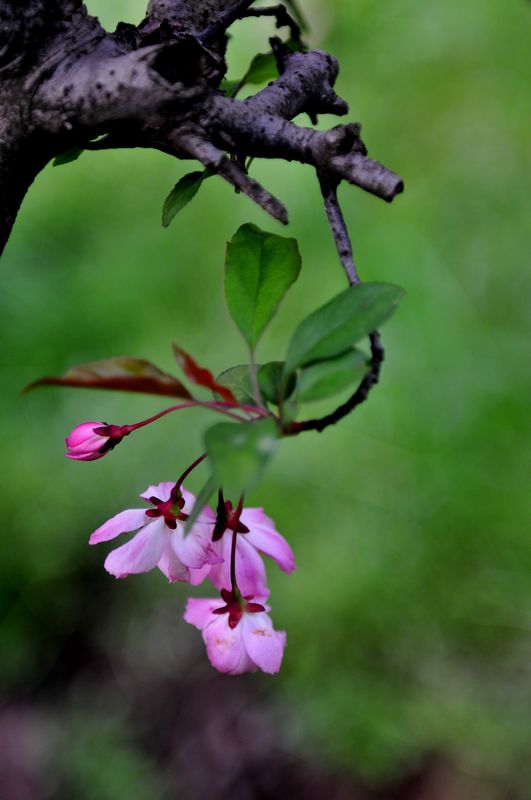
(92, 440)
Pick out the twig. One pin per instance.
(359, 396)
(214, 158)
(282, 18)
(344, 248)
(225, 20)
(338, 226)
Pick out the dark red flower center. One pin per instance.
(236, 606)
(170, 510)
(227, 519)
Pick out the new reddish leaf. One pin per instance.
(120, 374)
(201, 376)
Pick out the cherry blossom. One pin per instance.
(258, 534)
(239, 635)
(160, 541)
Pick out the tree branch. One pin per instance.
(21, 160)
(344, 249)
(360, 395)
(282, 18)
(193, 15)
(64, 81)
(239, 130)
(25, 24)
(338, 226)
(215, 159)
(224, 20)
(261, 125)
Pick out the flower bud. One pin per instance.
(92, 440)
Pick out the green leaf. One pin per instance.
(270, 378)
(67, 157)
(182, 193)
(260, 268)
(238, 380)
(239, 453)
(200, 502)
(290, 409)
(340, 323)
(327, 378)
(230, 87)
(263, 68)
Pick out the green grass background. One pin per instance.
(408, 614)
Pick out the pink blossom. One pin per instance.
(250, 570)
(160, 541)
(92, 440)
(239, 636)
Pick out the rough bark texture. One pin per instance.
(64, 81)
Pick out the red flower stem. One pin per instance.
(193, 404)
(234, 584)
(260, 412)
(189, 469)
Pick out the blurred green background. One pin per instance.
(408, 615)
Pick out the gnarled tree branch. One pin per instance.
(65, 80)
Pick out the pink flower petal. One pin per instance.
(195, 549)
(262, 534)
(170, 565)
(264, 645)
(225, 648)
(250, 570)
(160, 490)
(199, 610)
(123, 522)
(197, 576)
(83, 433)
(140, 554)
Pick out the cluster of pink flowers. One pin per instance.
(222, 547)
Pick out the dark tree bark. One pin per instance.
(66, 82)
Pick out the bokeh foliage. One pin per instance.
(408, 613)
